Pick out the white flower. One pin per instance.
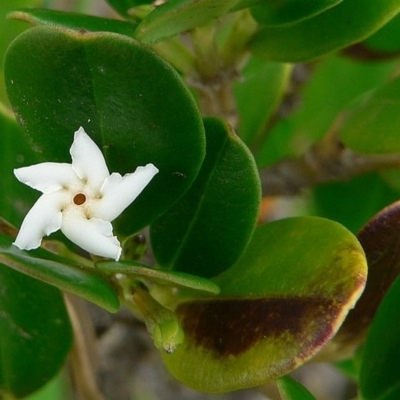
(81, 199)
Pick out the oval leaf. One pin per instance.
(322, 34)
(371, 124)
(115, 88)
(380, 239)
(35, 334)
(58, 272)
(278, 12)
(279, 304)
(208, 229)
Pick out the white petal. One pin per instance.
(47, 177)
(119, 192)
(88, 161)
(43, 219)
(93, 235)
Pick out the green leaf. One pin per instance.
(80, 22)
(15, 199)
(161, 277)
(290, 389)
(208, 229)
(61, 273)
(278, 12)
(116, 89)
(278, 306)
(35, 334)
(177, 16)
(257, 95)
(371, 124)
(322, 34)
(380, 368)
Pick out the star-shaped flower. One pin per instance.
(81, 199)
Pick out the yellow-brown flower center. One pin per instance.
(79, 199)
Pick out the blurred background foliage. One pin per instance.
(313, 93)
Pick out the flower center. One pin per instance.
(79, 199)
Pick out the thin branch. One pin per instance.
(216, 97)
(328, 160)
(83, 354)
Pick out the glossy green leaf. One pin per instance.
(61, 273)
(35, 334)
(161, 277)
(257, 95)
(380, 368)
(177, 16)
(289, 389)
(278, 12)
(208, 229)
(81, 22)
(322, 34)
(116, 89)
(371, 124)
(15, 199)
(278, 306)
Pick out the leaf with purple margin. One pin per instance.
(279, 305)
(380, 240)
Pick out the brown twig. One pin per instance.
(328, 160)
(216, 96)
(82, 357)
